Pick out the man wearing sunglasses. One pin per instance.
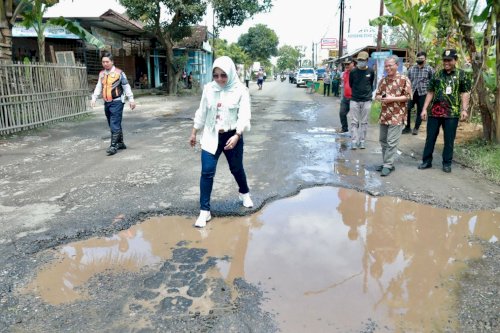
(448, 96)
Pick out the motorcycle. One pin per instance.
(283, 78)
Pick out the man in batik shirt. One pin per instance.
(448, 95)
(393, 92)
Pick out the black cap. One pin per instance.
(450, 54)
(348, 60)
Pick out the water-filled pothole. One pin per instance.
(328, 259)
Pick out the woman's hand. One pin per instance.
(192, 139)
(231, 143)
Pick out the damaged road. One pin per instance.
(63, 201)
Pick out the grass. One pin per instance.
(481, 156)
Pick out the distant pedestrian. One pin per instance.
(224, 114)
(448, 95)
(248, 76)
(260, 78)
(361, 80)
(114, 86)
(190, 80)
(393, 92)
(420, 75)
(346, 94)
(336, 77)
(326, 82)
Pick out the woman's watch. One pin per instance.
(238, 134)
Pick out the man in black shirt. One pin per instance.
(361, 81)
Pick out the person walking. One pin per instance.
(448, 95)
(248, 75)
(419, 74)
(113, 85)
(260, 78)
(346, 94)
(393, 92)
(326, 83)
(223, 115)
(361, 81)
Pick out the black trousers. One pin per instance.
(449, 132)
(326, 89)
(419, 101)
(344, 110)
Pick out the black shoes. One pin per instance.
(447, 168)
(424, 165)
(381, 167)
(385, 172)
(406, 130)
(414, 131)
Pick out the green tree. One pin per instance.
(484, 59)
(32, 11)
(233, 50)
(171, 20)
(261, 43)
(417, 18)
(288, 57)
(33, 18)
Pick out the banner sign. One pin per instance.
(51, 31)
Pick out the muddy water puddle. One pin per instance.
(329, 259)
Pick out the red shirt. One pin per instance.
(347, 87)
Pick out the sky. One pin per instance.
(296, 22)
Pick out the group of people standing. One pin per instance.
(441, 98)
(224, 112)
(331, 82)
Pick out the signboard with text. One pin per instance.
(332, 43)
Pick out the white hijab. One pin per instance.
(227, 65)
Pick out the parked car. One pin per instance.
(304, 75)
(320, 73)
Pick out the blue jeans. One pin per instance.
(114, 113)
(234, 158)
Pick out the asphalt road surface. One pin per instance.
(58, 188)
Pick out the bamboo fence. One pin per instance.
(34, 94)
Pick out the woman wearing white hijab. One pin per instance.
(224, 114)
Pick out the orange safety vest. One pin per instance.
(111, 85)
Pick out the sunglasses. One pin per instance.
(222, 76)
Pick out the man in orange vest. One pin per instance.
(114, 87)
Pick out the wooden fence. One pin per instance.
(32, 95)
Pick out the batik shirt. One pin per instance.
(448, 88)
(394, 113)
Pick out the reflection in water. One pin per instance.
(328, 258)
(349, 168)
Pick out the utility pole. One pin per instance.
(312, 57)
(379, 35)
(341, 29)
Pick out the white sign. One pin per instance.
(329, 42)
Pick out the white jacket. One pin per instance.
(233, 100)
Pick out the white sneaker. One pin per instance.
(202, 220)
(247, 201)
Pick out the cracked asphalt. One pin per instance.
(58, 187)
